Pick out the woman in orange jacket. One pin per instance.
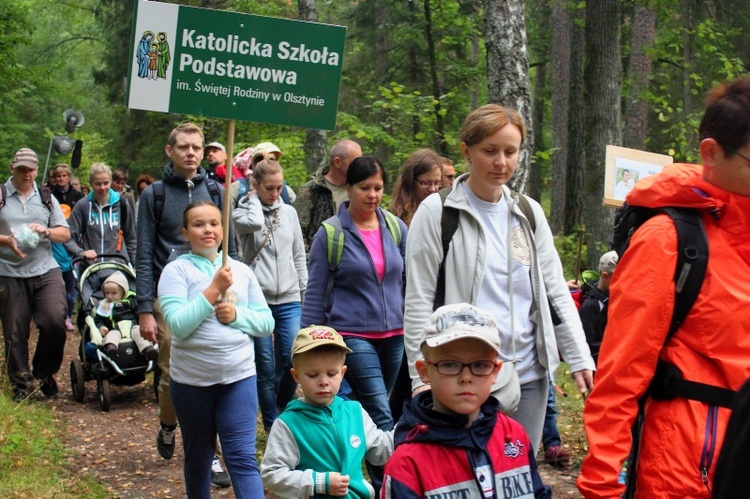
(681, 438)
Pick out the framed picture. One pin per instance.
(625, 167)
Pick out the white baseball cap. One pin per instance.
(458, 321)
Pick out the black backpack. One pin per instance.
(692, 260)
(44, 191)
(158, 186)
(731, 479)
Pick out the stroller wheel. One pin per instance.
(102, 386)
(77, 382)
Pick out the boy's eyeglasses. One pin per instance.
(454, 367)
(428, 184)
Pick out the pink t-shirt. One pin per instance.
(374, 244)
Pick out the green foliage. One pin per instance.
(573, 252)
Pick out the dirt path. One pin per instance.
(119, 447)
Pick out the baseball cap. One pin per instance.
(317, 336)
(267, 147)
(216, 145)
(608, 262)
(458, 321)
(25, 157)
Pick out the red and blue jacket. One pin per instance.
(437, 457)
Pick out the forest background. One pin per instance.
(582, 74)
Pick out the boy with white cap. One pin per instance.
(452, 441)
(595, 303)
(316, 446)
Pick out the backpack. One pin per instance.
(731, 479)
(692, 260)
(448, 227)
(158, 186)
(335, 245)
(44, 191)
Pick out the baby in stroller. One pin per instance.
(115, 317)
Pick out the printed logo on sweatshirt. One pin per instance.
(355, 441)
(514, 449)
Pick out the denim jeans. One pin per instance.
(372, 369)
(264, 367)
(550, 433)
(273, 360)
(287, 317)
(229, 410)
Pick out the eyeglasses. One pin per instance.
(450, 177)
(732, 150)
(454, 367)
(435, 184)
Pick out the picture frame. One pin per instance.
(624, 167)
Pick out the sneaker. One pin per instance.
(165, 441)
(151, 353)
(219, 477)
(20, 394)
(69, 324)
(556, 455)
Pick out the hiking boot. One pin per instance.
(165, 441)
(556, 455)
(151, 353)
(69, 325)
(219, 478)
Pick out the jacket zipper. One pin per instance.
(709, 444)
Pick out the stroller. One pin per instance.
(130, 367)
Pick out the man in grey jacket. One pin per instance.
(159, 241)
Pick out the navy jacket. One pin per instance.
(358, 302)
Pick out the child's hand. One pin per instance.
(338, 484)
(226, 313)
(103, 330)
(223, 279)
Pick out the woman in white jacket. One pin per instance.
(479, 263)
(272, 244)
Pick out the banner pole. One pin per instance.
(227, 193)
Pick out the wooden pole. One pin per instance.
(227, 211)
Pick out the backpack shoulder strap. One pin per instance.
(214, 192)
(525, 207)
(391, 221)
(448, 227)
(692, 260)
(3, 195)
(46, 194)
(285, 194)
(123, 214)
(334, 251)
(158, 188)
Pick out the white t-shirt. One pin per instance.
(517, 331)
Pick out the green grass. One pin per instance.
(32, 457)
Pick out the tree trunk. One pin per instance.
(536, 182)
(315, 140)
(560, 90)
(687, 67)
(639, 69)
(439, 128)
(508, 71)
(602, 76)
(574, 179)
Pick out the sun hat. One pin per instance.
(317, 336)
(608, 262)
(25, 157)
(267, 147)
(458, 321)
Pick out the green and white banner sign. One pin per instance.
(235, 66)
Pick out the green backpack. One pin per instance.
(335, 245)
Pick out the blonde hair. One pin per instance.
(98, 168)
(264, 168)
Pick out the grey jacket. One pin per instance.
(280, 266)
(464, 271)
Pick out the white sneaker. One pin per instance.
(219, 477)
